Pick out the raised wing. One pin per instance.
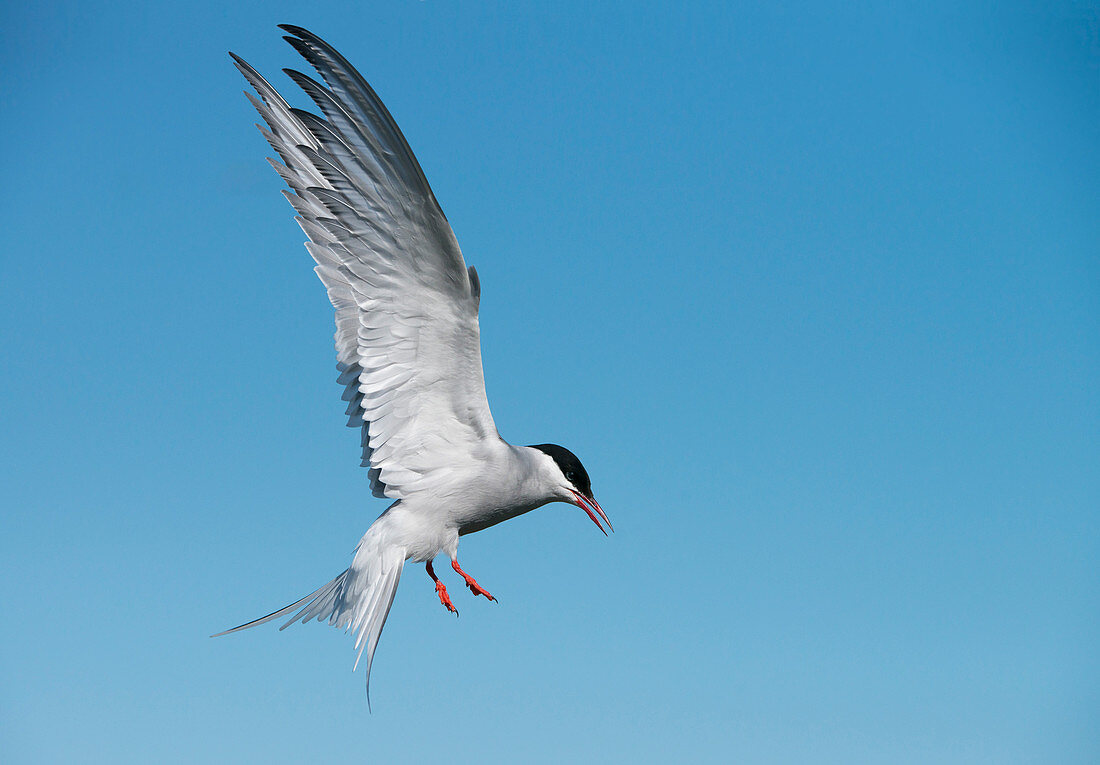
(407, 340)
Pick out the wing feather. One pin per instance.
(407, 337)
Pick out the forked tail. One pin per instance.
(358, 600)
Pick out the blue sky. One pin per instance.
(814, 293)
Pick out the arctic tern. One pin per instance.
(407, 343)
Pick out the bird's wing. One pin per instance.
(407, 339)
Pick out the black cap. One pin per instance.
(570, 467)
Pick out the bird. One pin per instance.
(408, 347)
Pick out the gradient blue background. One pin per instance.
(813, 292)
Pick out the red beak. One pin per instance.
(588, 505)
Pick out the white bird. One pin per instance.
(407, 343)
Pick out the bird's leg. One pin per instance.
(441, 591)
(475, 588)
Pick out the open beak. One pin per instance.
(590, 505)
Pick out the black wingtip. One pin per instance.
(295, 30)
(300, 45)
(300, 78)
(245, 68)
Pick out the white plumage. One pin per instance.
(407, 342)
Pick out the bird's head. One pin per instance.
(570, 481)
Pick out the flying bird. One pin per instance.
(407, 344)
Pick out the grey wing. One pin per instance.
(407, 338)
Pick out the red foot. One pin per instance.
(441, 591)
(444, 598)
(475, 588)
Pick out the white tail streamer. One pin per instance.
(358, 600)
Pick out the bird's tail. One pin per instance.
(358, 600)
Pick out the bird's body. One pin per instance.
(408, 346)
(498, 483)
